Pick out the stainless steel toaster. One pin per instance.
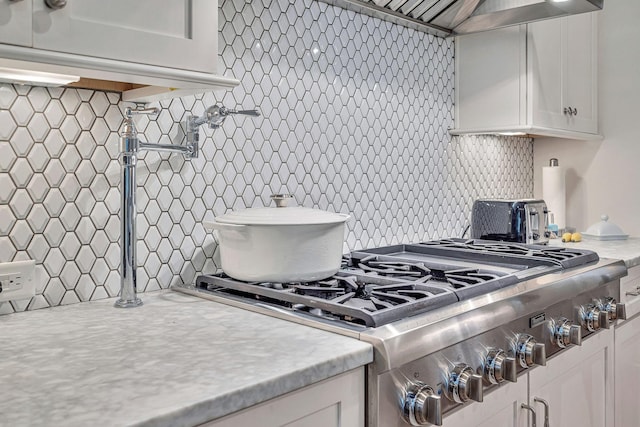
(522, 221)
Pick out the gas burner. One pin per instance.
(394, 268)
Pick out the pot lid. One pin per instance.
(282, 216)
(605, 230)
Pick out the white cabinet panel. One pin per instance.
(15, 22)
(501, 407)
(177, 34)
(492, 95)
(627, 373)
(577, 384)
(335, 402)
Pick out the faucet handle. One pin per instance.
(254, 113)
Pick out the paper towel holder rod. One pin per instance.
(553, 162)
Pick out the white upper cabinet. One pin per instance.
(178, 34)
(539, 79)
(167, 45)
(15, 22)
(563, 69)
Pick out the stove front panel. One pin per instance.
(389, 393)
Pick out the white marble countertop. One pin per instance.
(627, 250)
(176, 361)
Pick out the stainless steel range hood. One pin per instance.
(453, 17)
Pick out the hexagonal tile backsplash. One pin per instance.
(354, 119)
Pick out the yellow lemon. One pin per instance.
(576, 237)
(566, 237)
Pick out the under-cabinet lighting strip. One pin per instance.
(41, 78)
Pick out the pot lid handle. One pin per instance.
(281, 200)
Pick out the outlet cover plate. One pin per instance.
(16, 280)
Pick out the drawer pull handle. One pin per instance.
(634, 293)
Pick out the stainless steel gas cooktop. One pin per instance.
(382, 285)
(449, 320)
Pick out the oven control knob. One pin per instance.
(498, 367)
(463, 384)
(528, 352)
(593, 318)
(564, 333)
(611, 306)
(422, 406)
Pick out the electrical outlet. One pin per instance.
(16, 280)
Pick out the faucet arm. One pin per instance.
(188, 150)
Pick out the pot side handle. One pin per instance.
(214, 225)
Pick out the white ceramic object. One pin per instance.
(293, 244)
(605, 230)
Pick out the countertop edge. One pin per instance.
(238, 400)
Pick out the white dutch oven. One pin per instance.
(282, 244)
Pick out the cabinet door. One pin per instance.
(501, 407)
(563, 67)
(491, 79)
(15, 22)
(577, 384)
(176, 34)
(581, 89)
(335, 402)
(627, 373)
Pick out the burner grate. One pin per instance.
(348, 297)
(563, 257)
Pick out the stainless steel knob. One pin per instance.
(528, 352)
(55, 4)
(463, 384)
(565, 333)
(613, 308)
(605, 323)
(422, 406)
(499, 367)
(593, 318)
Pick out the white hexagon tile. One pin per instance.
(355, 113)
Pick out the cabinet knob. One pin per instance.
(55, 4)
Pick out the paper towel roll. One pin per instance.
(554, 193)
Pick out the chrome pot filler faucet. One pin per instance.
(130, 146)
